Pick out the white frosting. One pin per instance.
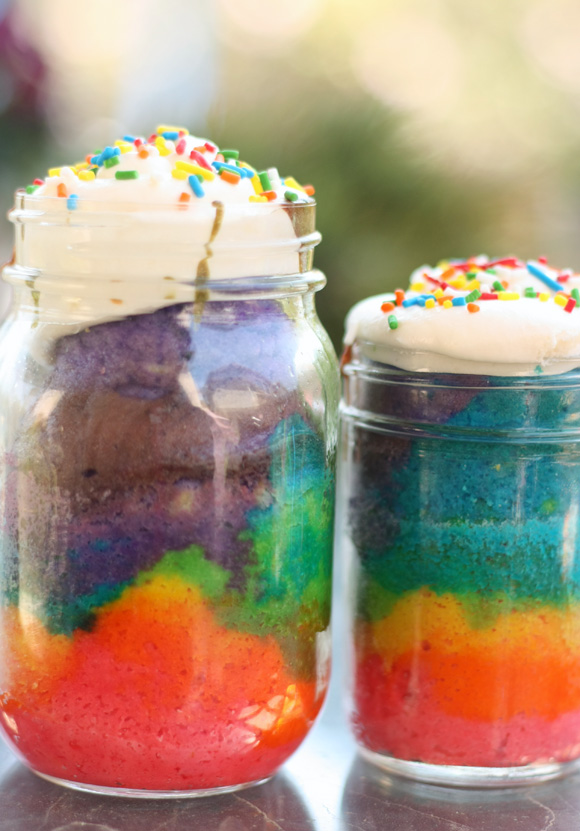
(131, 246)
(509, 338)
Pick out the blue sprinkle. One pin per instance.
(459, 301)
(97, 160)
(170, 134)
(537, 272)
(411, 301)
(196, 187)
(71, 202)
(231, 167)
(129, 138)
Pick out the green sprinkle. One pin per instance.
(126, 174)
(490, 271)
(31, 188)
(230, 154)
(498, 286)
(199, 177)
(291, 196)
(393, 322)
(265, 180)
(473, 296)
(114, 160)
(530, 292)
(576, 295)
(472, 275)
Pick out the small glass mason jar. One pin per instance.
(168, 437)
(460, 498)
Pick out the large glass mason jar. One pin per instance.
(461, 498)
(168, 440)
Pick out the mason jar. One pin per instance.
(168, 432)
(460, 498)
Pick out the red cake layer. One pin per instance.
(399, 714)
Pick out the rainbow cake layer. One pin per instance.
(467, 625)
(168, 531)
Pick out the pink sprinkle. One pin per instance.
(180, 147)
(211, 147)
(197, 157)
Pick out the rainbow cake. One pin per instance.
(167, 521)
(462, 498)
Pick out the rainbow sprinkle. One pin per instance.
(461, 283)
(188, 159)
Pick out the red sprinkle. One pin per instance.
(399, 296)
(570, 305)
(152, 138)
(387, 306)
(510, 262)
(439, 283)
(472, 307)
(180, 147)
(543, 260)
(562, 278)
(38, 182)
(138, 142)
(211, 147)
(197, 157)
(488, 295)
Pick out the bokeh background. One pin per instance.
(430, 128)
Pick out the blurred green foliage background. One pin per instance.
(430, 128)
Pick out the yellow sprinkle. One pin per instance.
(543, 296)
(179, 174)
(458, 282)
(54, 171)
(167, 128)
(86, 175)
(429, 303)
(255, 180)
(438, 292)
(291, 182)
(124, 146)
(195, 168)
(161, 146)
(508, 295)
(256, 198)
(447, 304)
(246, 165)
(473, 284)
(443, 265)
(417, 286)
(561, 301)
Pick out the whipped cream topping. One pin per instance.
(145, 222)
(504, 318)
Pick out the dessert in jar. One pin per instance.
(168, 438)
(460, 492)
